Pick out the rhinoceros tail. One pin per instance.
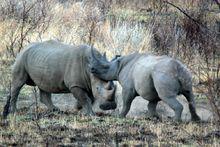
(184, 77)
(6, 107)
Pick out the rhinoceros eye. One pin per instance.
(98, 89)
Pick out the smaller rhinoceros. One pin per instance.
(152, 77)
(55, 67)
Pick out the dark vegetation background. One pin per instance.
(188, 30)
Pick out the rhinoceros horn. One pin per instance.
(110, 90)
(101, 61)
(109, 94)
(108, 86)
(110, 101)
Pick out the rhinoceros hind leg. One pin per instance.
(175, 105)
(17, 83)
(83, 100)
(45, 98)
(190, 98)
(167, 89)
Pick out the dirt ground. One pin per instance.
(71, 128)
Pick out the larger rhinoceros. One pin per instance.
(55, 67)
(154, 78)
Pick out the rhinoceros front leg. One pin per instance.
(78, 105)
(45, 98)
(128, 96)
(152, 108)
(83, 100)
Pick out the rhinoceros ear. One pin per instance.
(104, 56)
(93, 57)
(116, 57)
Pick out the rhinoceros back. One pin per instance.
(53, 66)
(147, 67)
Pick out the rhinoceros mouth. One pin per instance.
(108, 105)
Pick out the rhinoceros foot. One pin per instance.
(196, 118)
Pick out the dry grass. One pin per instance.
(73, 129)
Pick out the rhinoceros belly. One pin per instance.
(47, 80)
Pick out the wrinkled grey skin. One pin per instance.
(152, 77)
(59, 68)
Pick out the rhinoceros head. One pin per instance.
(104, 90)
(103, 69)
